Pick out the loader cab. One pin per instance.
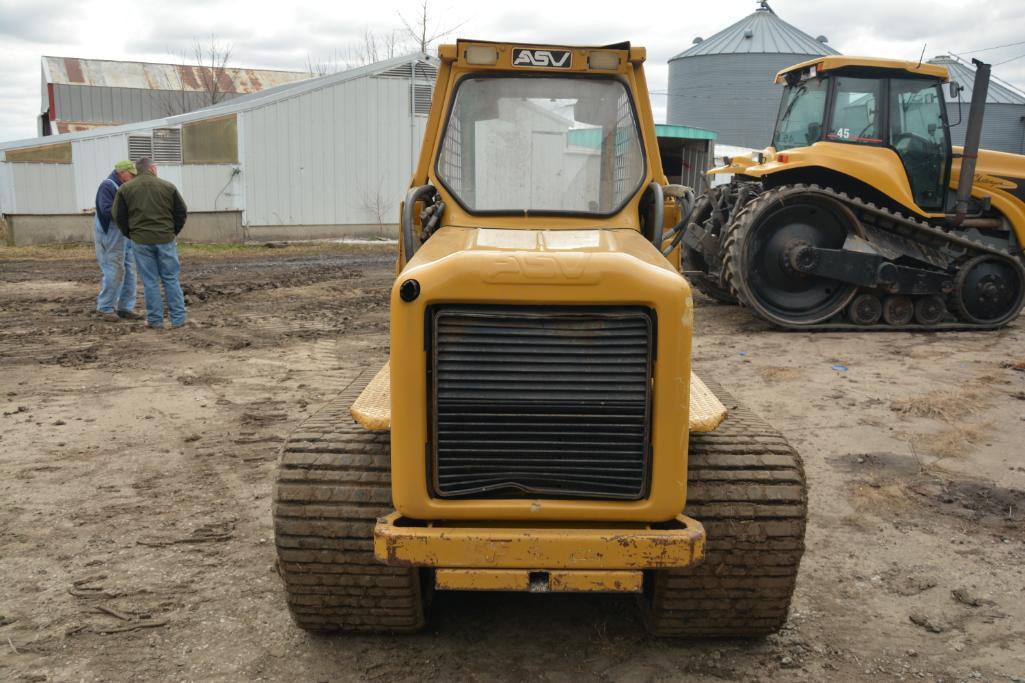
(872, 106)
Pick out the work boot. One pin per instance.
(109, 317)
(129, 315)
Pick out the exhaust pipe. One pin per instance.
(970, 155)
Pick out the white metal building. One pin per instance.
(324, 157)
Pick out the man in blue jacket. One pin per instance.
(116, 300)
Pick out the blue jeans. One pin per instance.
(158, 264)
(117, 263)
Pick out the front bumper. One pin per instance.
(560, 557)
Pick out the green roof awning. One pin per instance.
(664, 130)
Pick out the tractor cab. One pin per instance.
(872, 102)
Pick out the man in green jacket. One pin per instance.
(150, 212)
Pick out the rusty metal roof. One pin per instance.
(154, 76)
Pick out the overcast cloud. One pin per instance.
(283, 35)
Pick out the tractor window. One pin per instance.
(542, 144)
(855, 112)
(799, 123)
(920, 138)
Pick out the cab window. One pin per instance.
(855, 112)
(799, 123)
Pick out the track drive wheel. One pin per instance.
(333, 482)
(746, 485)
(990, 290)
(767, 233)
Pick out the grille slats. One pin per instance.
(541, 402)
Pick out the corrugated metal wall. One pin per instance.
(101, 104)
(71, 188)
(43, 188)
(732, 94)
(331, 156)
(1003, 129)
(6, 189)
(340, 155)
(93, 160)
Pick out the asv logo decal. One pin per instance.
(559, 59)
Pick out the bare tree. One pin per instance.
(373, 46)
(378, 205)
(200, 78)
(424, 29)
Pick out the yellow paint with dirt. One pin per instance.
(557, 581)
(541, 259)
(538, 547)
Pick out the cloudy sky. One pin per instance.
(286, 35)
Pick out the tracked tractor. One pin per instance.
(861, 215)
(538, 427)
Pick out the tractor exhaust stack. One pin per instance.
(970, 155)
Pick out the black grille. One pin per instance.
(540, 402)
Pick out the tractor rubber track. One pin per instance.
(333, 482)
(862, 210)
(746, 485)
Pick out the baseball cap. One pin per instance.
(126, 165)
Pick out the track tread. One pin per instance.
(735, 280)
(333, 482)
(754, 508)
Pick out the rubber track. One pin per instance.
(746, 485)
(333, 482)
(731, 258)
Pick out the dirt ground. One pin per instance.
(136, 470)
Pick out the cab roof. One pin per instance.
(833, 62)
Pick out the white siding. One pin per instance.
(94, 159)
(44, 188)
(331, 156)
(171, 173)
(6, 189)
(210, 187)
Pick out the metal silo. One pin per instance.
(725, 83)
(1003, 126)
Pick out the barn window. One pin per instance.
(44, 154)
(211, 141)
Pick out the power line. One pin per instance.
(995, 47)
(1010, 60)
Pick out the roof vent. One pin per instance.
(822, 39)
(749, 33)
(697, 40)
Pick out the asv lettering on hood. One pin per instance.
(559, 59)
